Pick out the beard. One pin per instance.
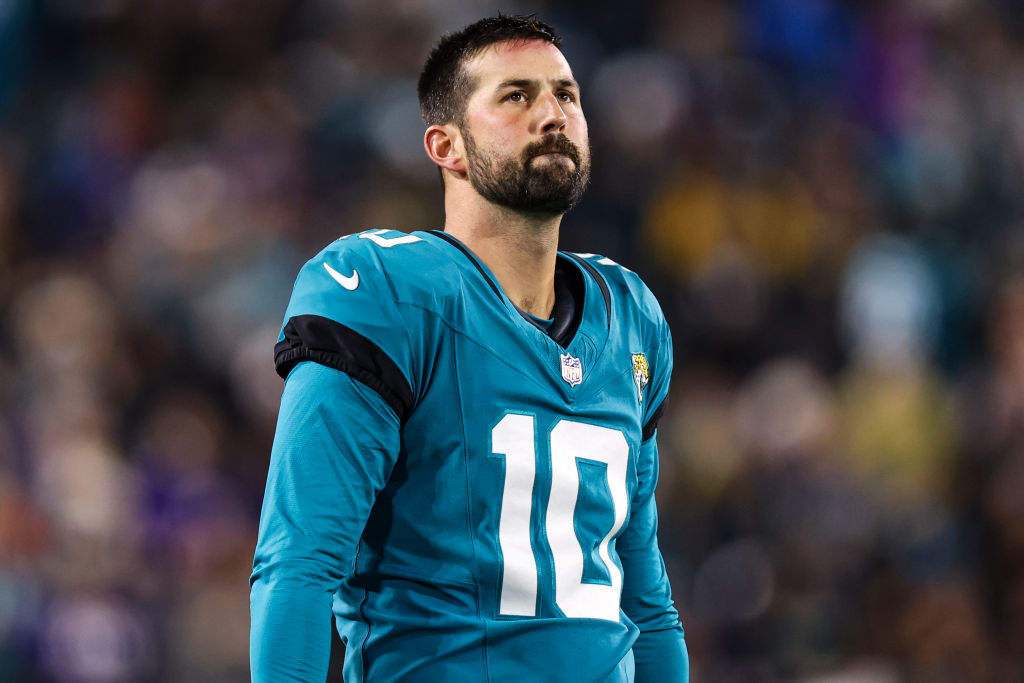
(527, 184)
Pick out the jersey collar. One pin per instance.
(570, 292)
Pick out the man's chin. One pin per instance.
(551, 202)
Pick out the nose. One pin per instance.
(552, 116)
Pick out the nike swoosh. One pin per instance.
(349, 283)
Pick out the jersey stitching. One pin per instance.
(600, 282)
(461, 247)
(499, 358)
(405, 326)
(447, 323)
(366, 633)
(579, 305)
(469, 518)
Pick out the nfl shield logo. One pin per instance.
(572, 369)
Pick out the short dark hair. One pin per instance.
(444, 86)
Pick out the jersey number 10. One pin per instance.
(513, 439)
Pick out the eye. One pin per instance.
(566, 96)
(516, 96)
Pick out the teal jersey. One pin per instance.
(472, 490)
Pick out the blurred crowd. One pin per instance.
(824, 194)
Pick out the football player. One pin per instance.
(464, 466)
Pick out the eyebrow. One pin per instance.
(533, 83)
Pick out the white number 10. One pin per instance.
(513, 438)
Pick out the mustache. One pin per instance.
(554, 143)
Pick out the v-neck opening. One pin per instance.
(570, 294)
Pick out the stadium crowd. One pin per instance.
(825, 195)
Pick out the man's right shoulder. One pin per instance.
(374, 265)
(360, 306)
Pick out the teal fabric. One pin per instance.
(450, 545)
(661, 656)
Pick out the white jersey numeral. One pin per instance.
(513, 438)
(570, 442)
(388, 242)
(604, 261)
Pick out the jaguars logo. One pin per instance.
(641, 374)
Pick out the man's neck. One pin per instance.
(520, 249)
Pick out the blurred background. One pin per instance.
(825, 195)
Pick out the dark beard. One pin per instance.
(517, 184)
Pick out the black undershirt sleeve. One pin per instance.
(328, 342)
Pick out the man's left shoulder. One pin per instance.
(626, 289)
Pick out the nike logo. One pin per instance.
(350, 282)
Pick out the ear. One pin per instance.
(444, 147)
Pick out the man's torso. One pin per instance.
(491, 551)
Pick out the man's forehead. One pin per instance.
(519, 59)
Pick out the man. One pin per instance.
(465, 462)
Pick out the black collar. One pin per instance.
(568, 310)
(570, 288)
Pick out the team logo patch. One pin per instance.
(572, 369)
(641, 374)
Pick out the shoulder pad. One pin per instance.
(637, 305)
(626, 287)
(343, 312)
